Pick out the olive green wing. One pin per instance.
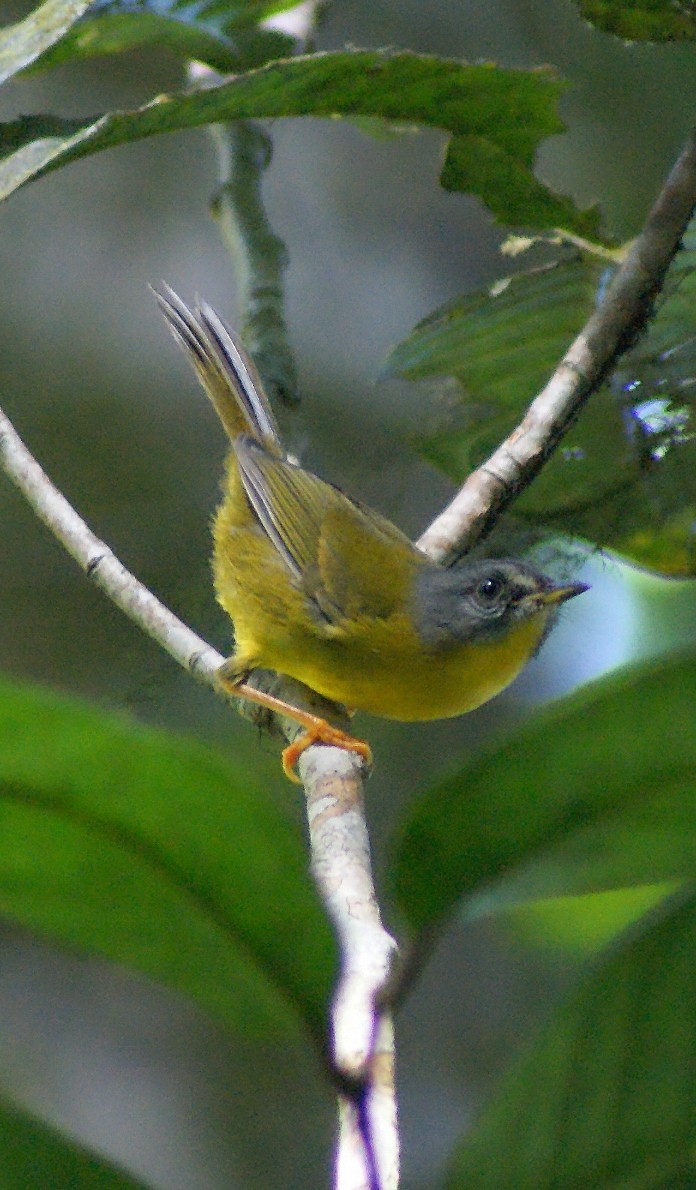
(350, 561)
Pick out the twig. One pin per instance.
(611, 330)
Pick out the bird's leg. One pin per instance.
(317, 729)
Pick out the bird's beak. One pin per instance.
(559, 594)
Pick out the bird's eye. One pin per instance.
(490, 590)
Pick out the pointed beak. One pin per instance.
(559, 594)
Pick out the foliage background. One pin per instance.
(98, 390)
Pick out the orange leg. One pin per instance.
(317, 730)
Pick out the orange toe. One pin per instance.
(322, 733)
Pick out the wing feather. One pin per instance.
(350, 561)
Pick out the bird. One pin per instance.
(323, 589)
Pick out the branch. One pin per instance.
(610, 331)
(363, 1037)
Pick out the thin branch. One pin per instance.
(611, 330)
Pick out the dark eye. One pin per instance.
(490, 590)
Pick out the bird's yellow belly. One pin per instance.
(399, 680)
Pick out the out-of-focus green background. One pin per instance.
(96, 386)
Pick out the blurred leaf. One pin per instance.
(642, 20)
(33, 1156)
(624, 476)
(497, 119)
(152, 851)
(22, 43)
(604, 1099)
(223, 35)
(582, 925)
(598, 792)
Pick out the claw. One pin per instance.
(322, 733)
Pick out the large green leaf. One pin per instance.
(598, 792)
(155, 852)
(642, 20)
(605, 1098)
(496, 119)
(625, 474)
(21, 44)
(34, 1156)
(224, 35)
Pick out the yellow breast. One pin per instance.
(382, 668)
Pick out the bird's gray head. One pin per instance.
(484, 599)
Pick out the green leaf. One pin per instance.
(225, 36)
(624, 476)
(22, 43)
(642, 20)
(604, 1099)
(583, 925)
(33, 1156)
(598, 792)
(154, 851)
(496, 119)
(502, 341)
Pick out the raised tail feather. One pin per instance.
(223, 367)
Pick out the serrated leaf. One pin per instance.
(642, 20)
(624, 476)
(604, 1098)
(154, 852)
(22, 43)
(489, 112)
(34, 1156)
(598, 792)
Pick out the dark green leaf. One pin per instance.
(502, 342)
(642, 20)
(34, 1156)
(496, 118)
(604, 1099)
(22, 43)
(598, 792)
(153, 851)
(221, 34)
(624, 476)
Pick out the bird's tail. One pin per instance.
(223, 367)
